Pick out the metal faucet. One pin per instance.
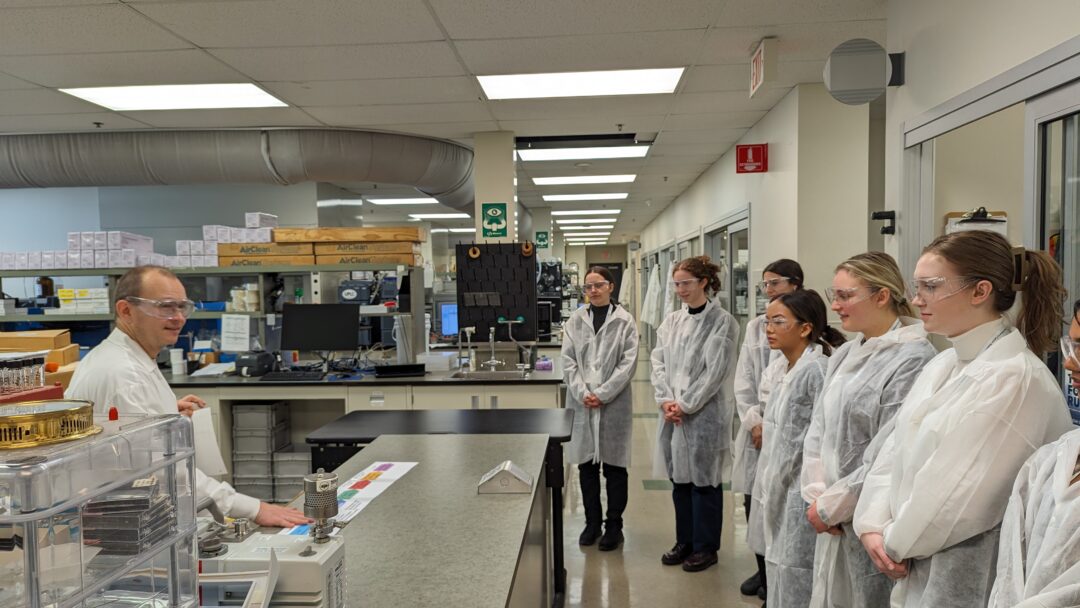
(523, 352)
(493, 362)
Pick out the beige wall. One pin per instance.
(954, 46)
(982, 165)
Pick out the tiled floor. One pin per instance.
(633, 575)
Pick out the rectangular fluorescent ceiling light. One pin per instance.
(584, 179)
(531, 154)
(588, 242)
(579, 235)
(588, 212)
(581, 84)
(403, 201)
(605, 227)
(178, 97)
(439, 216)
(456, 230)
(599, 196)
(591, 220)
(338, 202)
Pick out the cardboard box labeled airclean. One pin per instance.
(249, 249)
(358, 234)
(365, 248)
(390, 259)
(266, 260)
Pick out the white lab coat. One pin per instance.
(651, 308)
(693, 360)
(789, 537)
(1038, 563)
(771, 377)
(939, 486)
(118, 372)
(602, 363)
(866, 383)
(751, 395)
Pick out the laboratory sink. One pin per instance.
(491, 375)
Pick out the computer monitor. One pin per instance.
(448, 323)
(320, 327)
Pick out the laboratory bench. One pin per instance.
(432, 540)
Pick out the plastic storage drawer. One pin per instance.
(256, 487)
(287, 488)
(249, 465)
(261, 442)
(260, 415)
(293, 462)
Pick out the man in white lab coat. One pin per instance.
(151, 309)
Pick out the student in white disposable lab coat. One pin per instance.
(599, 354)
(1038, 564)
(868, 379)
(693, 360)
(751, 393)
(931, 508)
(151, 308)
(798, 328)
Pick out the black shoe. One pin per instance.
(762, 592)
(751, 585)
(611, 539)
(589, 535)
(677, 555)
(699, 561)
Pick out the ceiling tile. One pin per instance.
(11, 82)
(713, 120)
(81, 29)
(681, 160)
(42, 101)
(731, 77)
(459, 131)
(583, 126)
(119, 69)
(714, 148)
(268, 23)
(609, 110)
(247, 117)
(682, 169)
(771, 12)
(700, 103)
(376, 91)
(66, 122)
(795, 42)
(581, 53)
(499, 19)
(702, 136)
(406, 60)
(402, 113)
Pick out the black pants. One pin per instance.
(699, 516)
(747, 501)
(617, 486)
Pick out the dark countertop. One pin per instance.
(365, 426)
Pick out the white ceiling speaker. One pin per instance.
(858, 71)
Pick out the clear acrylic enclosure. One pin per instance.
(108, 520)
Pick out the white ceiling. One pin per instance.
(409, 66)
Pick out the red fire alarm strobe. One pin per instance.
(752, 158)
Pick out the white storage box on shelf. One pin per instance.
(105, 519)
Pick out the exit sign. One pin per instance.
(752, 158)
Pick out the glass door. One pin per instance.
(1059, 196)
(739, 261)
(718, 252)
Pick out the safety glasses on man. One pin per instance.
(163, 309)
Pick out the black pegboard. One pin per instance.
(500, 282)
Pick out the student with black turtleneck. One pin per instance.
(599, 354)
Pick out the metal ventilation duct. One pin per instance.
(437, 168)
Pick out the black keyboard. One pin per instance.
(292, 376)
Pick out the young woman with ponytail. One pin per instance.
(867, 381)
(692, 363)
(797, 328)
(930, 511)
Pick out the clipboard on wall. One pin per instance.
(977, 219)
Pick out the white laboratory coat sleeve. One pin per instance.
(718, 352)
(813, 468)
(753, 358)
(575, 384)
(662, 391)
(1038, 562)
(232, 503)
(873, 513)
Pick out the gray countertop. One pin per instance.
(555, 376)
(430, 539)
